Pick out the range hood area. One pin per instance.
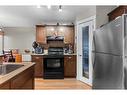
(55, 38)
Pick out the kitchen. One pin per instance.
(53, 43)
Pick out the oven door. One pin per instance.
(53, 64)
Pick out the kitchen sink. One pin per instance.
(7, 68)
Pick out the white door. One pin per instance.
(84, 51)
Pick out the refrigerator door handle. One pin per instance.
(93, 43)
(93, 59)
(93, 51)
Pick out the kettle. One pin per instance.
(39, 50)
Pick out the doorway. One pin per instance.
(85, 30)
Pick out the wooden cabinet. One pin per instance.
(69, 35)
(117, 12)
(41, 34)
(70, 65)
(5, 85)
(38, 65)
(51, 30)
(66, 31)
(24, 80)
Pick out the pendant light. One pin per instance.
(60, 8)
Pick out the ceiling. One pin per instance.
(18, 16)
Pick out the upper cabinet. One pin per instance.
(69, 35)
(50, 30)
(41, 34)
(43, 31)
(117, 12)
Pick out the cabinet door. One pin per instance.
(69, 35)
(51, 30)
(70, 66)
(5, 85)
(61, 30)
(41, 34)
(21, 81)
(38, 66)
(117, 12)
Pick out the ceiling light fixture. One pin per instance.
(49, 6)
(38, 6)
(60, 8)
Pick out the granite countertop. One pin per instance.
(70, 54)
(47, 54)
(6, 77)
(34, 54)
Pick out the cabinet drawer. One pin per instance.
(36, 58)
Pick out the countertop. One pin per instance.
(6, 77)
(47, 54)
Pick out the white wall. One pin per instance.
(1, 43)
(19, 38)
(91, 11)
(101, 14)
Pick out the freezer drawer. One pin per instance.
(109, 38)
(107, 72)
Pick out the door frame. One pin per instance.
(93, 19)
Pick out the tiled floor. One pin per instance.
(61, 84)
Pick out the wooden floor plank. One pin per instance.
(59, 84)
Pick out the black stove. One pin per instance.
(54, 63)
(55, 51)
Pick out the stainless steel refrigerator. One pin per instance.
(110, 55)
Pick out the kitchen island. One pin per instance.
(21, 78)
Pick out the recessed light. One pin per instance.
(61, 29)
(52, 29)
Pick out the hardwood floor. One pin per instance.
(59, 84)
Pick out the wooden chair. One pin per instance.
(8, 56)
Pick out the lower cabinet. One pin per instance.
(6, 85)
(24, 80)
(38, 59)
(70, 66)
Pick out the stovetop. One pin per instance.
(55, 52)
